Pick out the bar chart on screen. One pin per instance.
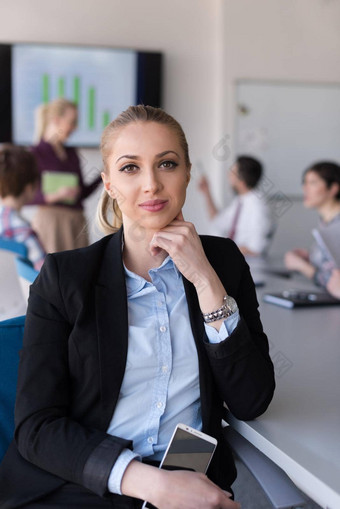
(90, 97)
(102, 82)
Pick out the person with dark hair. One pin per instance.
(149, 327)
(247, 220)
(18, 182)
(321, 189)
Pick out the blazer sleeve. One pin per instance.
(46, 435)
(241, 365)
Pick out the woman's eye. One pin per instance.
(168, 164)
(129, 168)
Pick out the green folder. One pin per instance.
(52, 181)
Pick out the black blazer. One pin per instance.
(73, 360)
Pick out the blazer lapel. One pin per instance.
(112, 325)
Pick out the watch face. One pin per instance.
(231, 303)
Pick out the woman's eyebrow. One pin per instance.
(128, 156)
(161, 154)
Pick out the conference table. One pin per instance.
(300, 431)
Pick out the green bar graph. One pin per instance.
(76, 89)
(91, 107)
(106, 118)
(61, 87)
(91, 115)
(45, 88)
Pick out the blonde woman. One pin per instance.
(148, 327)
(60, 221)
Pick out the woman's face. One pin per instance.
(66, 123)
(315, 191)
(147, 175)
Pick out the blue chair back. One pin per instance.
(25, 269)
(15, 247)
(11, 334)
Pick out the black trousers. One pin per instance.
(72, 496)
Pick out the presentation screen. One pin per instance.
(101, 81)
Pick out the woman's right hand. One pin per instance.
(203, 185)
(64, 194)
(294, 261)
(303, 253)
(173, 489)
(333, 285)
(192, 490)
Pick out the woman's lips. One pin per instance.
(153, 205)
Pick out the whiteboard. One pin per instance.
(288, 126)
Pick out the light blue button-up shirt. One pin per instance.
(160, 387)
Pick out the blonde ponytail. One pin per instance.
(41, 118)
(108, 216)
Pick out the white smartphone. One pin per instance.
(188, 449)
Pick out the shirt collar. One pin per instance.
(334, 220)
(135, 283)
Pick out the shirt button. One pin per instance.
(159, 404)
(164, 369)
(150, 440)
(160, 303)
(162, 328)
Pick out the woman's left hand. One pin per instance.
(183, 244)
(293, 261)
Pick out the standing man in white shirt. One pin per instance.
(247, 220)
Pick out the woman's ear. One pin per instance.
(188, 174)
(106, 183)
(335, 188)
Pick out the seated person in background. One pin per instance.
(247, 219)
(321, 189)
(18, 181)
(333, 285)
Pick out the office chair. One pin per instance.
(26, 274)
(12, 302)
(11, 334)
(13, 246)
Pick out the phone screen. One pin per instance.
(187, 451)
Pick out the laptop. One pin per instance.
(300, 298)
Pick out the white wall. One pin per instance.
(295, 40)
(208, 44)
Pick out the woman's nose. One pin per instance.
(151, 182)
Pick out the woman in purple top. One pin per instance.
(59, 221)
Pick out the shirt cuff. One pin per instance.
(118, 470)
(227, 327)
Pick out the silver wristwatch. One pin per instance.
(228, 308)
